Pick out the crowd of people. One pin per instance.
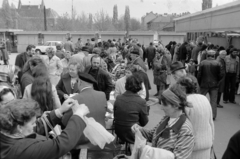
(81, 79)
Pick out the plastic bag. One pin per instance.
(139, 143)
(96, 133)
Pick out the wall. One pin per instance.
(145, 38)
(25, 40)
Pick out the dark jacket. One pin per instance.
(60, 54)
(64, 87)
(182, 52)
(96, 103)
(104, 82)
(209, 73)
(160, 70)
(38, 147)
(223, 72)
(232, 151)
(146, 82)
(129, 109)
(150, 53)
(20, 61)
(140, 62)
(195, 52)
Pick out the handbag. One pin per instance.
(47, 124)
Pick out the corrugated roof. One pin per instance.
(228, 5)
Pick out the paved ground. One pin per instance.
(226, 124)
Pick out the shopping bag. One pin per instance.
(55, 132)
(139, 143)
(96, 133)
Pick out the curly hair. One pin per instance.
(17, 112)
(50, 50)
(189, 83)
(134, 83)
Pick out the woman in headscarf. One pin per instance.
(174, 133)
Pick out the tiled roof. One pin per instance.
(161, 18)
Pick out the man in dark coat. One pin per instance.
(232, 151)
(136, 59)
(22, 58)
(195, 52)
(94, 100)
(150, 54)
(68, 46)
(104, 81)
(209, 76)
(221, 60)
(183, 53)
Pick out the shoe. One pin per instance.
(156, 94)
(219, 106)
(233, 102)
(225, 102)
(214, 119)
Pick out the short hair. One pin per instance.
(134, 83)
(59, 46)
(50, 50)
(232, 50)
(17, 112)
(95, 56)
(80, 67)
(151, 43)
(204, 47)
(93, 39)
(5, 91)
(29, 47)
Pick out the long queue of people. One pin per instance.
(77, 81)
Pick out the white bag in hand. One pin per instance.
(139, 143)
(96, 133)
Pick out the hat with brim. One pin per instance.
(176, 66)
(87, 78)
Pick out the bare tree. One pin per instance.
(135, 24)
(64, 23)
(102, 21)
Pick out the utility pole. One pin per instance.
(45, 18)
(72, 15)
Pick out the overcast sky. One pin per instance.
(138, 8)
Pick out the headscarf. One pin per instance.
(171, 97)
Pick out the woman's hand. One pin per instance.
(65, 96)
(67, 104)
(80, 110)
(135, 128)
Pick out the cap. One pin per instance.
(87, 78)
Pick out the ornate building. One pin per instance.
(206, 4)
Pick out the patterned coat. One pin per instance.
(178, 138)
